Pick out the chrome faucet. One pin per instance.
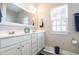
(11, 32)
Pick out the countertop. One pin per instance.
(20, 33)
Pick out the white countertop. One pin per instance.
(12, 35)
(6, 35)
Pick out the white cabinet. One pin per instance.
(23, 48)
(34, 43)
(38, 42)
(23, 45)
(13, 40)
(12, 50)
(41, 41)
(16, 45)
(26, 47)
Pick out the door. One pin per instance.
(12, 50)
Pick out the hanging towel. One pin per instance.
(0, 15)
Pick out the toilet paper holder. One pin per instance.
(74, 41)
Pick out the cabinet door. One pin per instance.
(34, 43)
(43, 40)
(26, 47)
(23, 48)
(39, 42)
(12, 50)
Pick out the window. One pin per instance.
(59, 19)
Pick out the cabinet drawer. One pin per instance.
(12, 50)
(8, 42)
(11, 41)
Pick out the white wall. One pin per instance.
(62, 40)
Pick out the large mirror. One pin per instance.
(15, 14)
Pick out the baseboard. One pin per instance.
(63, 52)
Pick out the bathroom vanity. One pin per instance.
(19, 43)
(23, 44)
